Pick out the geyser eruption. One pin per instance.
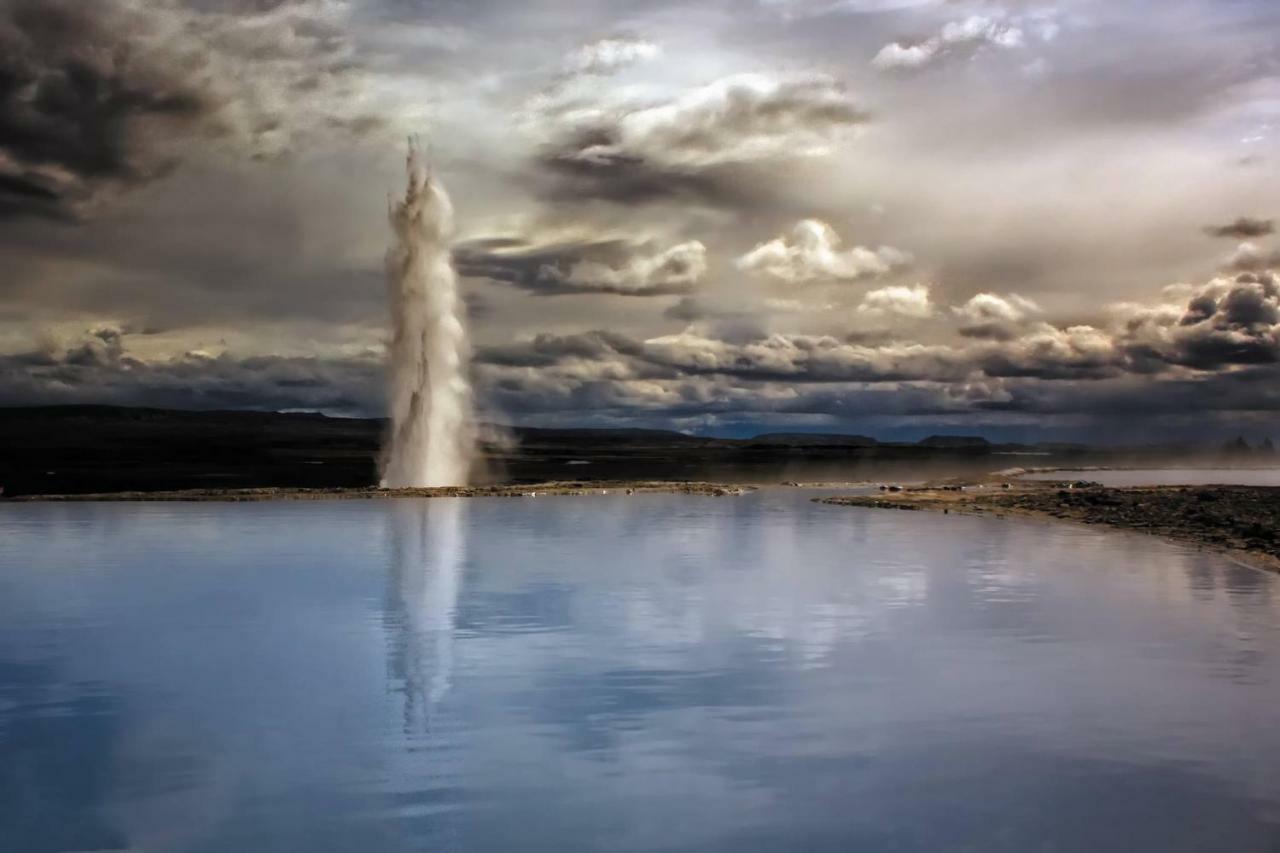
(432, 426)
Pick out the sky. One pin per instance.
(1030, 220)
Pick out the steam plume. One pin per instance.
(432, 426)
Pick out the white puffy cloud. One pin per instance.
(896, 55)
(812, 252)
(902, 301)
(610, 55)
(1048, 352)
(972, 33)
(988, 308)
(977, 28)
(988, 315)
(1250, 257)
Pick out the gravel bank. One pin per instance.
(1243, 521)
(567, 487)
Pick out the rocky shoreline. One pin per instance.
(566, 487)
(1241, 521)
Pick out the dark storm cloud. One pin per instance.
(1250, 390)
(100, 370)
(72, 97)
(605, 266)
(632, 180)
(989, 332)
(479, 307)
(512, 260)
(242, 7)
(98, 97)
(1243, 228)
(104, 348)
(700, 144)
(546, 349)
(1227, 323)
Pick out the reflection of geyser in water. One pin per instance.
(427, 554)
(432, 437)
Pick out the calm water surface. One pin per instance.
(626, 673)
(1169, 476)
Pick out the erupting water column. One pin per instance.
(432, 426)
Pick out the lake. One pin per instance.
(633, 673)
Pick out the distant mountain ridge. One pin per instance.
(239, 419)
(248, 418)
(954, 441)
(814, 439)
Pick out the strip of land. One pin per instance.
(566, 487)
(1241, 521)
(61, 450)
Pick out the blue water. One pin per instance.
(636, 673)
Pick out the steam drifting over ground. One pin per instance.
(432, 438)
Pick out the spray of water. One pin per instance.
(432, 437)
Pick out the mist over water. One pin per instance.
(432, 438)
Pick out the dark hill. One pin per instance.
(954, 441)
(78, 449)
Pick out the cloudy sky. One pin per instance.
(1029, 219)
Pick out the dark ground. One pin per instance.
(1241, 519)
(84, 449)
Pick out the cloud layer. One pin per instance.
(1154, 356)
(819, 213)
